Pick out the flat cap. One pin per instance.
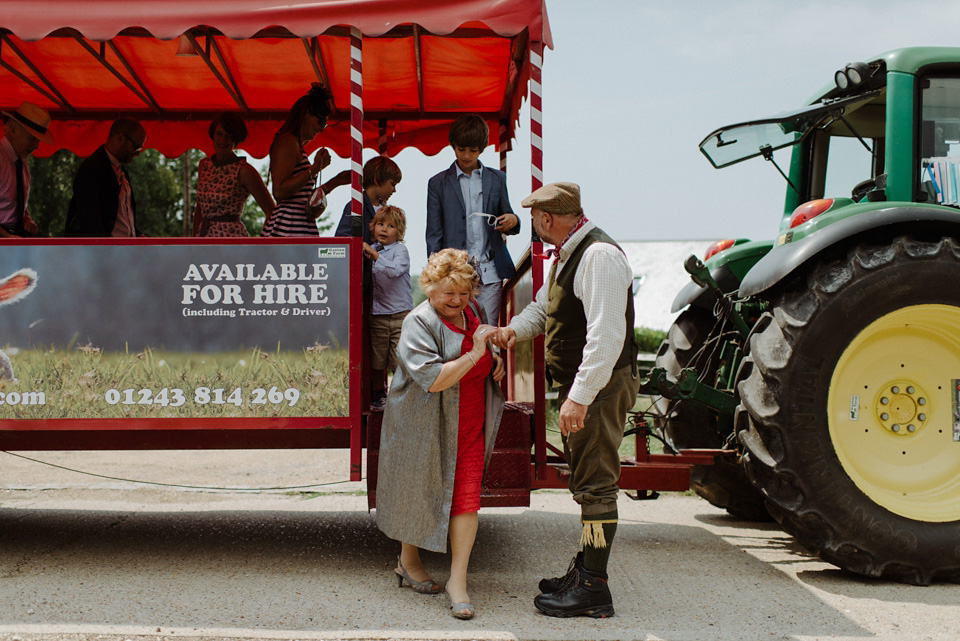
(556, 198)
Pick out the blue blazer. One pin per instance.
(343, 227)
(447, 215)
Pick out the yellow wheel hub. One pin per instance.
(900, 408)
(891, 408)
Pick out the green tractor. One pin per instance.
(828, 360)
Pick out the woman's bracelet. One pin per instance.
(471, 358)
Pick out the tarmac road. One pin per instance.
(85, 558)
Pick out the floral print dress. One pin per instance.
(221, 196)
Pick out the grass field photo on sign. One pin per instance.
(87, 382)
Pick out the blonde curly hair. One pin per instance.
(449, 265)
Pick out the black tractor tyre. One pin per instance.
(686, 425)
(846, 413)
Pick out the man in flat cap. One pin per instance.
(585, 309)
(23, 130)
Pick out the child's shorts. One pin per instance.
(384, 336)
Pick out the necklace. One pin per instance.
(463, 317)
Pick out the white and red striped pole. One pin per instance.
(356, 215)
(536, 116)
(508, 300)
(356, 121)
(536, 249)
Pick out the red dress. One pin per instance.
(470, 450)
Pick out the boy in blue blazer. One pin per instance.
(468, 208)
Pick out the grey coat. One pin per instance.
(418, 440)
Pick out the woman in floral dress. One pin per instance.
(224, 182)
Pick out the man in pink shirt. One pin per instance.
(23, 130)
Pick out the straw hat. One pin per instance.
(34, 119)
(556, 198)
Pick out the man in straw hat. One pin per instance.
(23, 130)
(585, 310)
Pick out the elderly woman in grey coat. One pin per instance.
(439, 425)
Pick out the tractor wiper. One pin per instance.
(767, 152)
(863, 142)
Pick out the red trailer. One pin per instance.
(193, 343)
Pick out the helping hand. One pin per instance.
(483, 334)
(503, 337)
(479, 343)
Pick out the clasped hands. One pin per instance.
(481, 336)
(572, 414)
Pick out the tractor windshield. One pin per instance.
(732, 144)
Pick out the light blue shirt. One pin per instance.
(391, 280)
(471, 186)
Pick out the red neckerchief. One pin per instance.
(555, 252)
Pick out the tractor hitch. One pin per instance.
(688, 388)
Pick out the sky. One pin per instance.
(632, 87)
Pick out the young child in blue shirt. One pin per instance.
(468, 208)
(392, 296)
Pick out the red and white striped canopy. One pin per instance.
(424, 63)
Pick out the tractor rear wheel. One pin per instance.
(848, 410)
(685, 424)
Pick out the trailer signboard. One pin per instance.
(177, 334)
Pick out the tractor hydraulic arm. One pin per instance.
(687, 387)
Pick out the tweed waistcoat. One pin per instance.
(566, 324)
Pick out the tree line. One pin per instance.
(158, 187)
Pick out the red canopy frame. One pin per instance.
(424, 63)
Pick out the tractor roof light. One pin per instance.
(809, 210)
(852, 76)
(841, 80)
(718, 247)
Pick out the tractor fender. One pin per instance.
(786, 258)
